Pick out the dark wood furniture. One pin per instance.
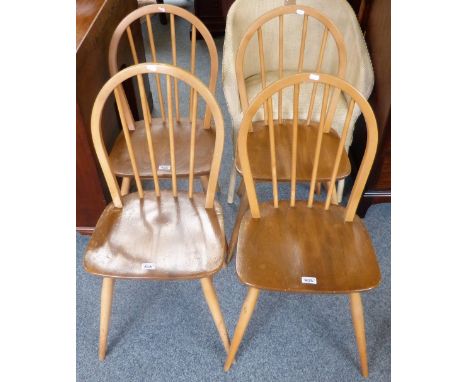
(211, 12)
(95, 23)
(376, 24)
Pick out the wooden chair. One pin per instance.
(266, 41)
(309, 99)
(160, 234)
(306, 246)
(205, 138)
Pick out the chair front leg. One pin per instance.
(213, 305)
(106, 308)
(126, 181)
(243, 207)
(244, 318)
(357, 314)
(232, 183)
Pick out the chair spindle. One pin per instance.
(171, 134)
(149, 137)
(303, 40)
(318, 68)
(294, 145)
(154, 57)
(271, 132)
(280, 70)
(174, 62)
(192, 68)
(128, 141)
(339, 152)
(262, 69)
(192, 140)
(318, 145)
(135, 60)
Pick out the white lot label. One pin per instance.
(165, 167)
(299, 11)
(309, 280)
(313, 76)
(161, 9)
(148, 266)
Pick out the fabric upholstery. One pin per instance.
(358, 70)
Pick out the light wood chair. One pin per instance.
(309, 102)
(161, 234)
(304, 245)
(205, 138)
(266, 41)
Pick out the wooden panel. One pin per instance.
(90, 198)
(96, 21)
(210, 12)
(378, 24)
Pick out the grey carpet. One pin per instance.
(163, 331)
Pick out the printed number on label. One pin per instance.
(309, 280)
(165, 167)
(148, 266)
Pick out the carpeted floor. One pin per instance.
(163, 331)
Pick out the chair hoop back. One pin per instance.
(172, 74)
(330, 83)
(256, 28)
(197, 26)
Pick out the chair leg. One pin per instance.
(232, 183)
(318, 188)
(106, 308)
(241, 188)
(204, 182)
(213, 305)
(126, 181)
(243, 207)
(357, 315)
(244, 318)
(339, 190)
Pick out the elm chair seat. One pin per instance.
(177, 238)
(205, 138)
(287, 244)
(253, 85)
(259, 144)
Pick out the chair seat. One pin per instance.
(288, 243)
(177, 237)
(258, 147)
(253, 86)
(204, 145)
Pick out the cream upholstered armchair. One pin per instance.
(358, 65)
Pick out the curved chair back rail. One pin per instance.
(321, 28)
(330, 84)
(197, 26)
(171, 74)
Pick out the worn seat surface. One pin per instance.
(179, 237)
(288, 243)
(258, 146)
(204, 138)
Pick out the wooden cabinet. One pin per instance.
(211, 13)
(376, 25)
(95, 23)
